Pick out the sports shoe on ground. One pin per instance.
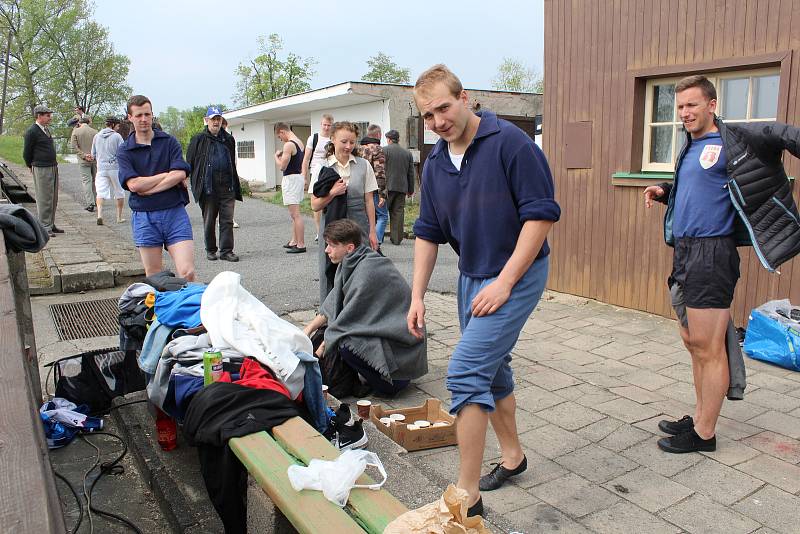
(350, 436)
(235, 224)
(498, 476)
(99, 221)
(674, 428)
(229, 256)
(211, 256)
(689, 441)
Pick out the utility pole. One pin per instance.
(5, 80)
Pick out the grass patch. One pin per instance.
(11, 149)
(277, 199)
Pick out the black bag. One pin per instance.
(94, 378)
(341, 379)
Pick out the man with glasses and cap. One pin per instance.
(215, 183)
(39, 154)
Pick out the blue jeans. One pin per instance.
(479, 370)
(381, 218)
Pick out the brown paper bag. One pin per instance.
(448, 515)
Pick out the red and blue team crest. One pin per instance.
(710, 155)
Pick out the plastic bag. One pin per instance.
(773, 336)
(336, 479)
(448, 515)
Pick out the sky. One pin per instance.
(185, 52)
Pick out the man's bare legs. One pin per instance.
(99, 202)
(317, 217)
(504, 423)
(182, 254)
(471, 434)
(707, 345)
(298, 227)
(120, 207)
(151, 260)
(698, 394)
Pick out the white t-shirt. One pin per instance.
(455, 158)
(317, 158)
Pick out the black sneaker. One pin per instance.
(689, 441)
(674, 428)
(350, 436)
(498, 476)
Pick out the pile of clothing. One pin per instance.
(269, 372)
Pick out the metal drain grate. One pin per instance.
(81, 320)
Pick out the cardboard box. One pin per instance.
(421, 438)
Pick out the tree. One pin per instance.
(267, 77)
(514, 75)
(184, 124)
(383, 69)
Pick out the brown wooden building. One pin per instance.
(610, 129)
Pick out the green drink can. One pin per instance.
(212, 366)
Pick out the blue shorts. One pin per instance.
(479, 371)
(161, 228)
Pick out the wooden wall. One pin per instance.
(598, 55)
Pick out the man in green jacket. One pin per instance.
(39, 154)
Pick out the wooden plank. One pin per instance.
(308, 511)
(374, 509)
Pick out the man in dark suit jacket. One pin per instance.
(39, 154)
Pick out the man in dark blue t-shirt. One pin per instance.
(152, 168)
(486, 190)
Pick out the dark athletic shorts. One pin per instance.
(706, 269)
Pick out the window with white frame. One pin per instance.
(742, 96)
(246, 149)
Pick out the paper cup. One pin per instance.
(397, 417)
(386, 421)
(412, 427)
(325, 392)
(422, 423)
(363, 407)
(439, 424)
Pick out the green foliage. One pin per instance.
(184, 124)
(383, 69)
(514, 75)
(277, 199)
(267, 77)
(11, 149)
(62, 58)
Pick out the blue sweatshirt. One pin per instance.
(163, 154)
(504, 181)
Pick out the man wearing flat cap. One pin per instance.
(215, 183)
(39, 154)
(400, 178)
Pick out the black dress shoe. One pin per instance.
(229, 256)
(476, 509)
(56, 230)
(211, 256)
(295, 250)
(498, 476)
(676, 427)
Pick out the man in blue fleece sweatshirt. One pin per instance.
(486, 190)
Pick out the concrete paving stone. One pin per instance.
(579, 357)
(672, 408)
(678, 371)
(679, 391)
(571, 393)
(570, 416)
(540, 470)
(594, 330)
(637, 394)
(782, 474)
(795, 393)
(626, 518)
(634, 327)
(627, 339)
(596, 464)
(534, 325)
(527, 421)
(650, 456)
(651, 425)
(550, 379)
(699, 514)
(778, 422)
(570, 323)
(753, 365)
(730, 452)
(593, 399)
(617, 350)
(648, 360)
(646, 379)
(661, 348)
(552, 441)
(574, 495)
(764, 530)
(777, 445)
(721, 483)
(586, 342)
(771, 382)
(611, 368)
(773, 401)
(624, 437)
(600, 379)
(550, 315)
(565, 366)
(601, 429)
(86, 277)
(741, 410)
(648, 489)
(795, 412)
(534, 398)
(507, 499)
(68, 257)
(626, 410)
(734, 429)
(542, 517)
(435, 389)
(773, 508)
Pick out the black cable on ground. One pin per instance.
(77, 499)
(111, 467)
(125, 404)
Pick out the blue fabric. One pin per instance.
(312, 391)
(179, 393)
(381, 218)
(479, 370)
(180, 308)
(163, 154)
(161, 228)
(220, 161)
(504, 181)
(154, 342)
(703, 206)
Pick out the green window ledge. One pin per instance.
(644, 179)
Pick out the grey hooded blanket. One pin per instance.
(366, 311)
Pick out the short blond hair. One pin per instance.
(328, 116)
(438, 74)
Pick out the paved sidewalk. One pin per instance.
(593, 381)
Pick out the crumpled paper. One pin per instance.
(448, 515)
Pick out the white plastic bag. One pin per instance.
(336, 479)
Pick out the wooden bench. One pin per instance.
(296, 442)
